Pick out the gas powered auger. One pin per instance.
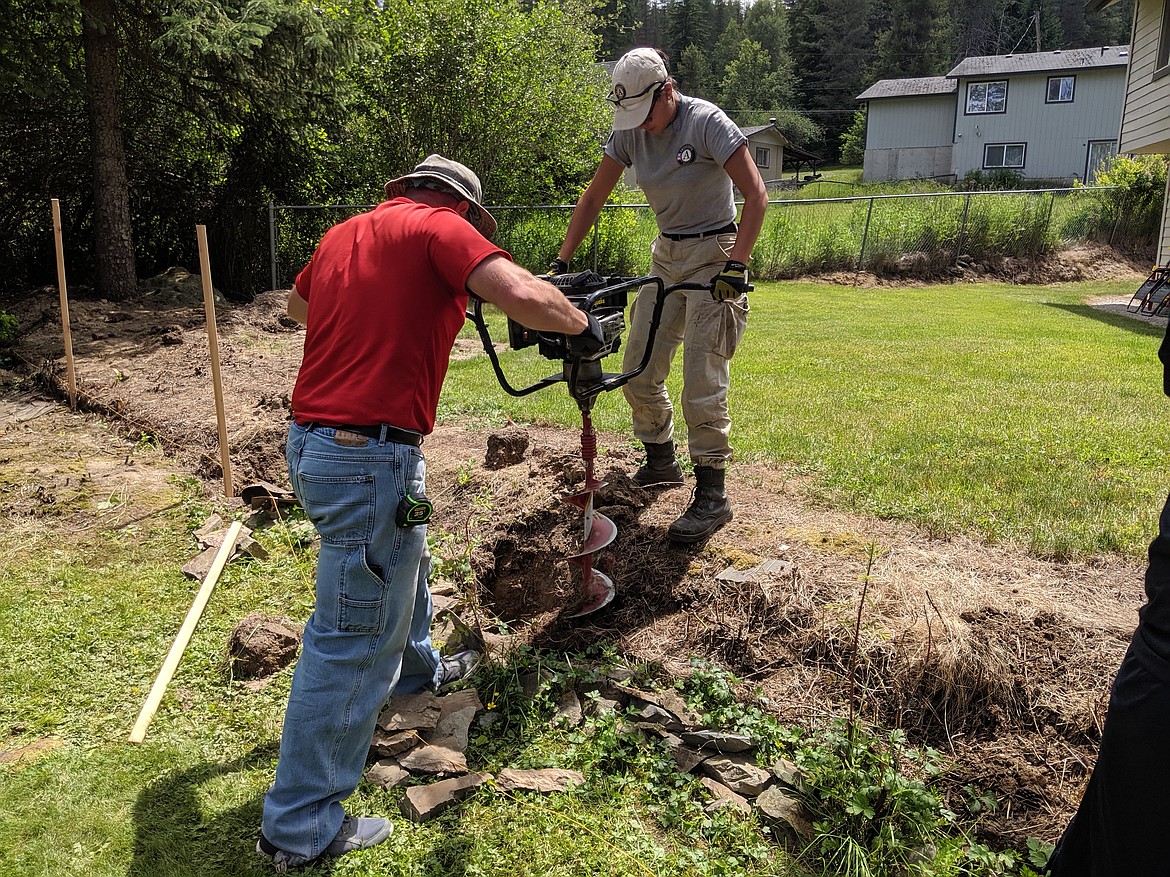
(606, 298)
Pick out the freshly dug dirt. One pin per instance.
(998, 658)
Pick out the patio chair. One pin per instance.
(1151, 297)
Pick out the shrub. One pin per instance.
(1130, 211)
(1000, 178)
(7, 334)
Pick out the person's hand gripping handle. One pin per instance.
(731, 282)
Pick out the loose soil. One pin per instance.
(1000, 659)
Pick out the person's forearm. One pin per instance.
(543, 307)
(527, 300)
(584, 215)
(750, 222)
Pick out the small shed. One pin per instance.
(767, 146)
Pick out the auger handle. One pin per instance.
(475, 314)
(612, 382)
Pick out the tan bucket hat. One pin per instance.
(450, 175)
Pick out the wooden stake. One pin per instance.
(213, 341)
(71, 383)
(180, 645)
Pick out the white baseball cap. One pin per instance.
(636, 79)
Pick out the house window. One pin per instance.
(1060, 89)
(1164, 42)
(987, 97)
(1003, 155)
(762, 153)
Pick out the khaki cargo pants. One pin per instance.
(709, 332)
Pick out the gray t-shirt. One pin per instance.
(681, 169)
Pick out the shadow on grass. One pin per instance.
(1138, 325)
(173, 836)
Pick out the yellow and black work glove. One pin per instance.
(590, 341)
(557, 266)
(731, 282)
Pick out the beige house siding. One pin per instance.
(766, 149)
(1164, 248)
(1145, 126)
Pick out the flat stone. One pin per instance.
(599, 706)
(718, 741)
(786, 773)
(423, 803)
(568, 710)
(386, 773)
(394, 742)
(739, 773)
(723, 797)
(669, 700)
(686, 757)
(454, 728)
(653, 714)
(419, 711)
(457, 701)
(545, 780)
(763, 571)
(785, 817)
(443, 756)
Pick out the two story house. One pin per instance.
(1145, 120)
(1047, 115)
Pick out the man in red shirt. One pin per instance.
(382, 298)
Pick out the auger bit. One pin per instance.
(606, 298)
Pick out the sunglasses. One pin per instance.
(631, 98)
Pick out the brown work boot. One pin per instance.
(709, 509)
(661, 469)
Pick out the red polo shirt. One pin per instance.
(387, 294)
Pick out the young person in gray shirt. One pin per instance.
(686, 154)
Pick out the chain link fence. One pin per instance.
(910, 234)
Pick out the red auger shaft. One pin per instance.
(597, 589)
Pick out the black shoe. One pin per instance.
(709, 509)
(661, 469)
(457, 667)
(356, 833)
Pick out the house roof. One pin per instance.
(756, 129)
(1042, 62)
(909, 87)
(1097, 5)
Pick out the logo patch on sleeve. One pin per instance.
(686, 154)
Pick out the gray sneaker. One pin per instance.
(356, 833)
(457, 667)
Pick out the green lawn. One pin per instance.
(1010, 413)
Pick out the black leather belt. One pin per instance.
(730, 228)
(393, 433)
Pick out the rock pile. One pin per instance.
(424, 736)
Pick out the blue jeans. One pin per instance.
(368, 636)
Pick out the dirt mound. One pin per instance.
(1086, 261)
(1000, 659)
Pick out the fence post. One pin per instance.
(864, 237)
(962, 228)
(272, 240)
(1048, 223)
